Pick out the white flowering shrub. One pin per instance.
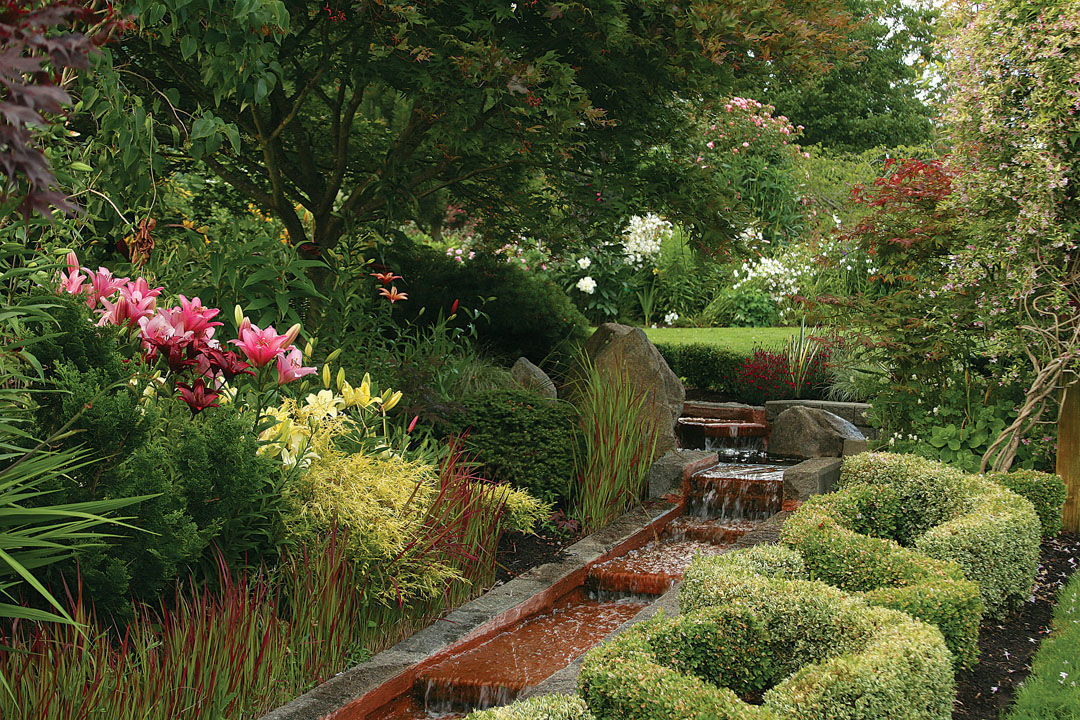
(586, 285)
(643, 238)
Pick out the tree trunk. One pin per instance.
(1068, 455)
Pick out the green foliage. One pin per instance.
(685, 280)
(544, 707)
(815, 651)
(212, 492)
(952, 413)
(522, 439)
(747, 306)
(271, 97)
(227, 254)
(1051, 692)
(523, 315)
(704, 366)
(1046, 492)
(874, 102)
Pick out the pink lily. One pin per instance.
(136, 301)
(197, 317)
(72, 281)
(197, 395)
(260, 346)
(290, 366)
(103, 285)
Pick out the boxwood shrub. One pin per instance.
(1046, 492)
(814, 651)
(991, 532)
(543, 707)
(526, 315)
(888, 574)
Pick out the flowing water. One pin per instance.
(724, 503)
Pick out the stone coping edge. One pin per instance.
(358, 691)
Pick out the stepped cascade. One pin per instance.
(723, 503)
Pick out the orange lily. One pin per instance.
(393, 294)
(385, 278)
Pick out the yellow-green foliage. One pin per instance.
(545, 707)
(1045, 491)
(815, 651)
(991, 532)
(380, 503)
(521, 511)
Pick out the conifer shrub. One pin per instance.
(522, 439)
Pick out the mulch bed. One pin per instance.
(1006, 649)
(518, 552)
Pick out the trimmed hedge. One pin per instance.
(815, 651)
(705, 367)
(544, 707)
(918, 536)
(1046, 492)
(889, 574)
(991, 532)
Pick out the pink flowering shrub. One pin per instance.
(179, 340)
(754, 157)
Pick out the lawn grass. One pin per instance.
(1052, 691)
(736, 339)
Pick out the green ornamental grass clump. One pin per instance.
(812, 650)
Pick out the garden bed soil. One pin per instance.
(519, 552)
(1006, 649)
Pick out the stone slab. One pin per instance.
(815, 476)
(352, 694)
(666, 473)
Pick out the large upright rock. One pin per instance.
(613, 346)
(804, 432)
(529, 377)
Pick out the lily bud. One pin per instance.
(340, 378)
(308, 349)
(333, 356)
(391, 401)
(238, 314)
(290, 335)
(326, 376)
